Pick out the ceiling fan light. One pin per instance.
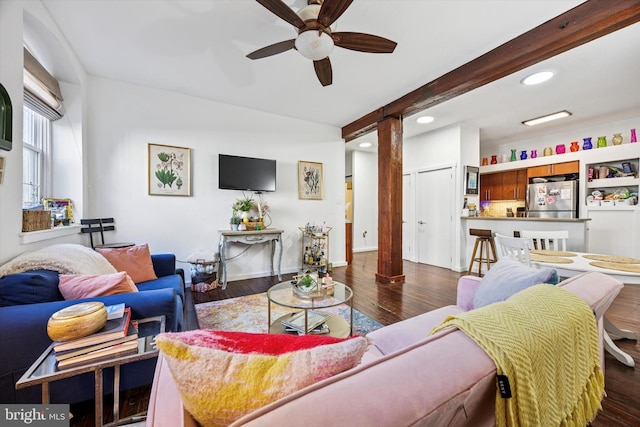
(311, 12)
(314, 45)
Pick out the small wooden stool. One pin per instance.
(484, 239)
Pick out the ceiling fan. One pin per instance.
(316, 39)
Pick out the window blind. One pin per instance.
(41, 90)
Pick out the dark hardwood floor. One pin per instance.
(427, 288)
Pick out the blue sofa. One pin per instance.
(23, 335)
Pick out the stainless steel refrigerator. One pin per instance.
(552, 199)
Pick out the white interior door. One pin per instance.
(434, 216)
(407, 214)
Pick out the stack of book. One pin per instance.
(118, 337)
(316, 323)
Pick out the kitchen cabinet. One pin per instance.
(507, 185)
(553, 169)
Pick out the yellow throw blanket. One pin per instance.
(545, 341)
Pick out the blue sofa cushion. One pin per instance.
(32, 287)
(507, 277)
(162, 282)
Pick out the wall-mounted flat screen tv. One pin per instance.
(246, 173)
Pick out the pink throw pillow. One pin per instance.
(135, 260)
(77, 286)
(223, 375)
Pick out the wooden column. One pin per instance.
(390, 200)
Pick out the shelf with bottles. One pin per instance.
(315, 247)
(612, 185)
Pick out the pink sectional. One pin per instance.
(406, 378)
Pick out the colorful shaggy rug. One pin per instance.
(249, 314)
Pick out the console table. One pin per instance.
(249, 237)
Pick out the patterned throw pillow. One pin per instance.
(224, 375)
(135, 260)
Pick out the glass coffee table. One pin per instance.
(45, 370)
(282, 294)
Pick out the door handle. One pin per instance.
(421, 222)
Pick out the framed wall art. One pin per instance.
(471, 179)
(169, 170)
(310, 185)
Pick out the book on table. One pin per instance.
(314, 320)
(120, 349)
(113, 329)
(115, 311)
(132, 335)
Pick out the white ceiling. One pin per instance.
(198, 47)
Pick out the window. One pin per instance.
(36, 155)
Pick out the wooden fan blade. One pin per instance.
(331, 10)
(280, 9)
(273, 49)
(363, 42)
(323, 71)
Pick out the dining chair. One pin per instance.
(513, 247)
(549, 240)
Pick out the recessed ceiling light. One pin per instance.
(537, 78)
(547, 118)
(424, 119)
(365, 145)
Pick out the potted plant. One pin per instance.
(243, 205)
(235, 221)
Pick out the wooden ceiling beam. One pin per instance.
(582, 24)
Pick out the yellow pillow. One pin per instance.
(223, 375)
(135, 260)
(77, 286)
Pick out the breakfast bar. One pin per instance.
(578, 229)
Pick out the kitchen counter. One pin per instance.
(513, 218)
(578, 229)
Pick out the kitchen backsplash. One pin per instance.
(499, 208)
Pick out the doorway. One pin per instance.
(407, 214)
(434, 216)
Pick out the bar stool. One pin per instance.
(484, 239)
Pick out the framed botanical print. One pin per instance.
(169, 170)
(310, 185)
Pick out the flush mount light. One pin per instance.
(547, 118)
(537, 78)
(424, 119)
(364, 145)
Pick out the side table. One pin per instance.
(44, 370)
(249, 237)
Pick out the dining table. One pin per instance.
(624, 269)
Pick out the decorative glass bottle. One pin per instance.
(534, 154)
(602, 141)
(494, 159)
(513, 155)
(548, 151)
(617, 139)
(574, 146)
(634, 138)
(587, 144)
(560, 149)
(523, 155)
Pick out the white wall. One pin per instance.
(365, 201)
(111, 124)
(456, 145)
(13, 15)
(125, 118)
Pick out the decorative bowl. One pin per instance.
(77, 321)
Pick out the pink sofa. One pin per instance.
(406, 378)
